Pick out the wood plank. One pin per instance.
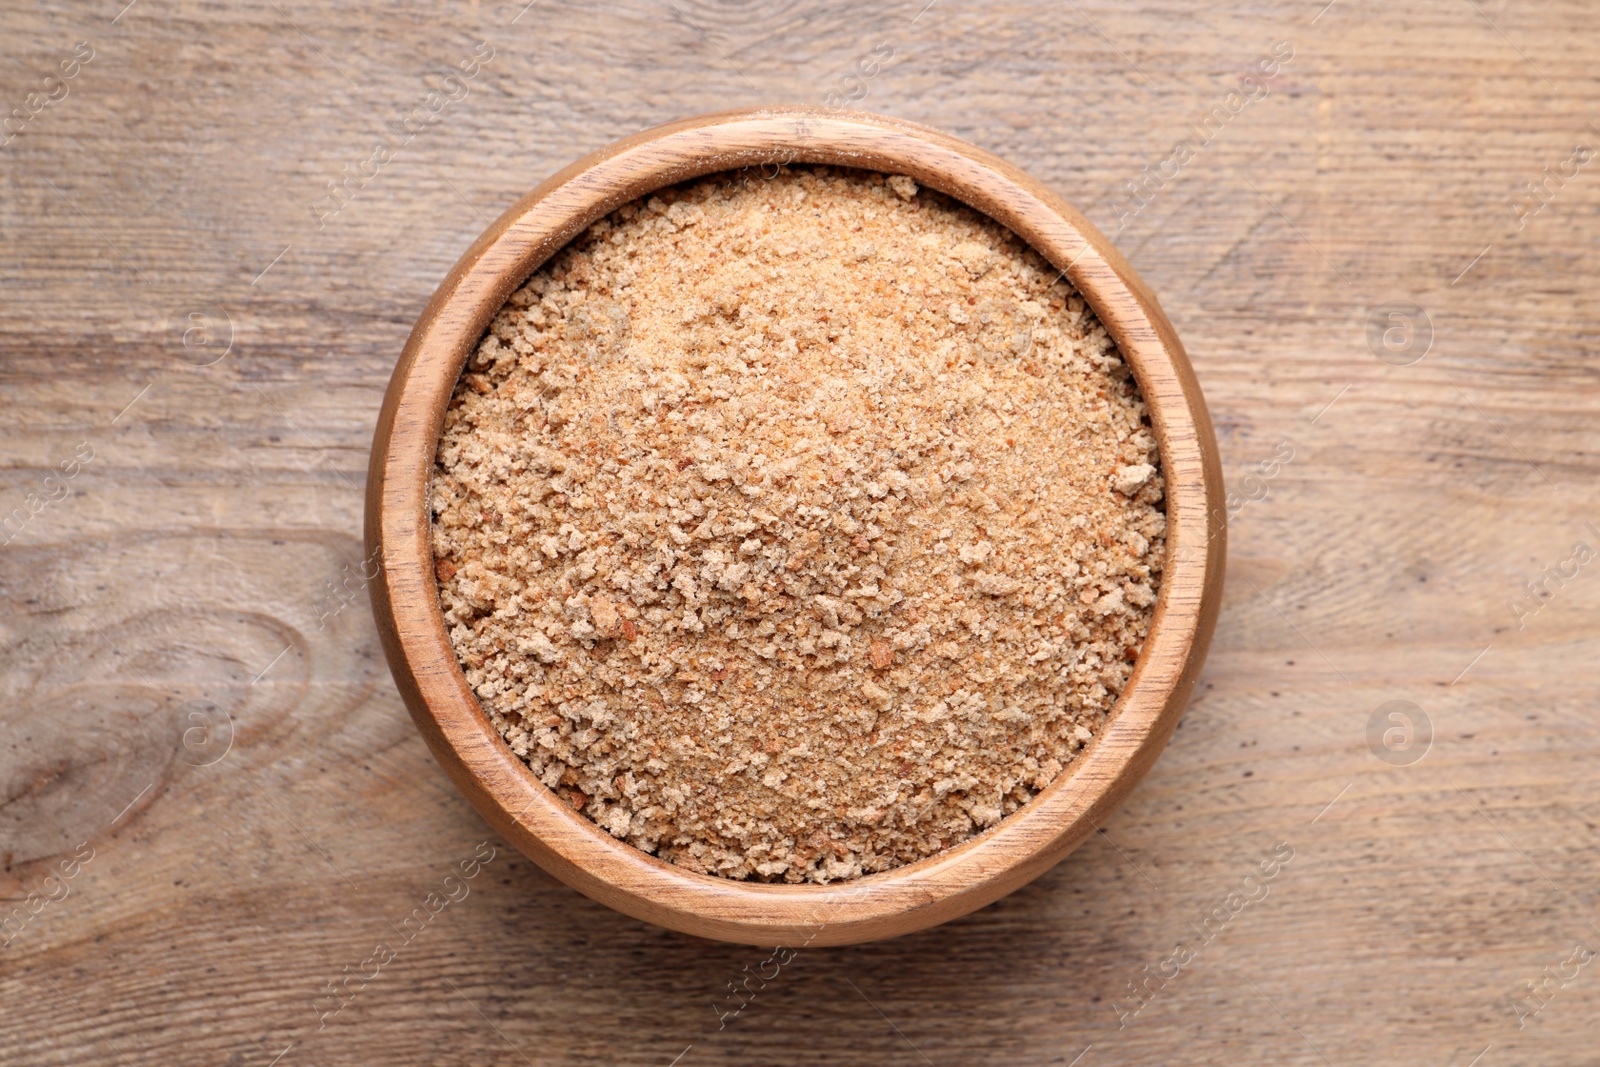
(197, 544)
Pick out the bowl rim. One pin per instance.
(504, 790)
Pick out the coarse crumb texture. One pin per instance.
(796, 529)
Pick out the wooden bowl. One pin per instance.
(405, 598)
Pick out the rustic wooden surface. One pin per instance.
(182, 696)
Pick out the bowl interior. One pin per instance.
(501, 786)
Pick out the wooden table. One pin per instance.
(204, 761)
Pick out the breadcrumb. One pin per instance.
(797, 529)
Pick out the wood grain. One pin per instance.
(194, 551)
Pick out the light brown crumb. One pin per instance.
(797, 529)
